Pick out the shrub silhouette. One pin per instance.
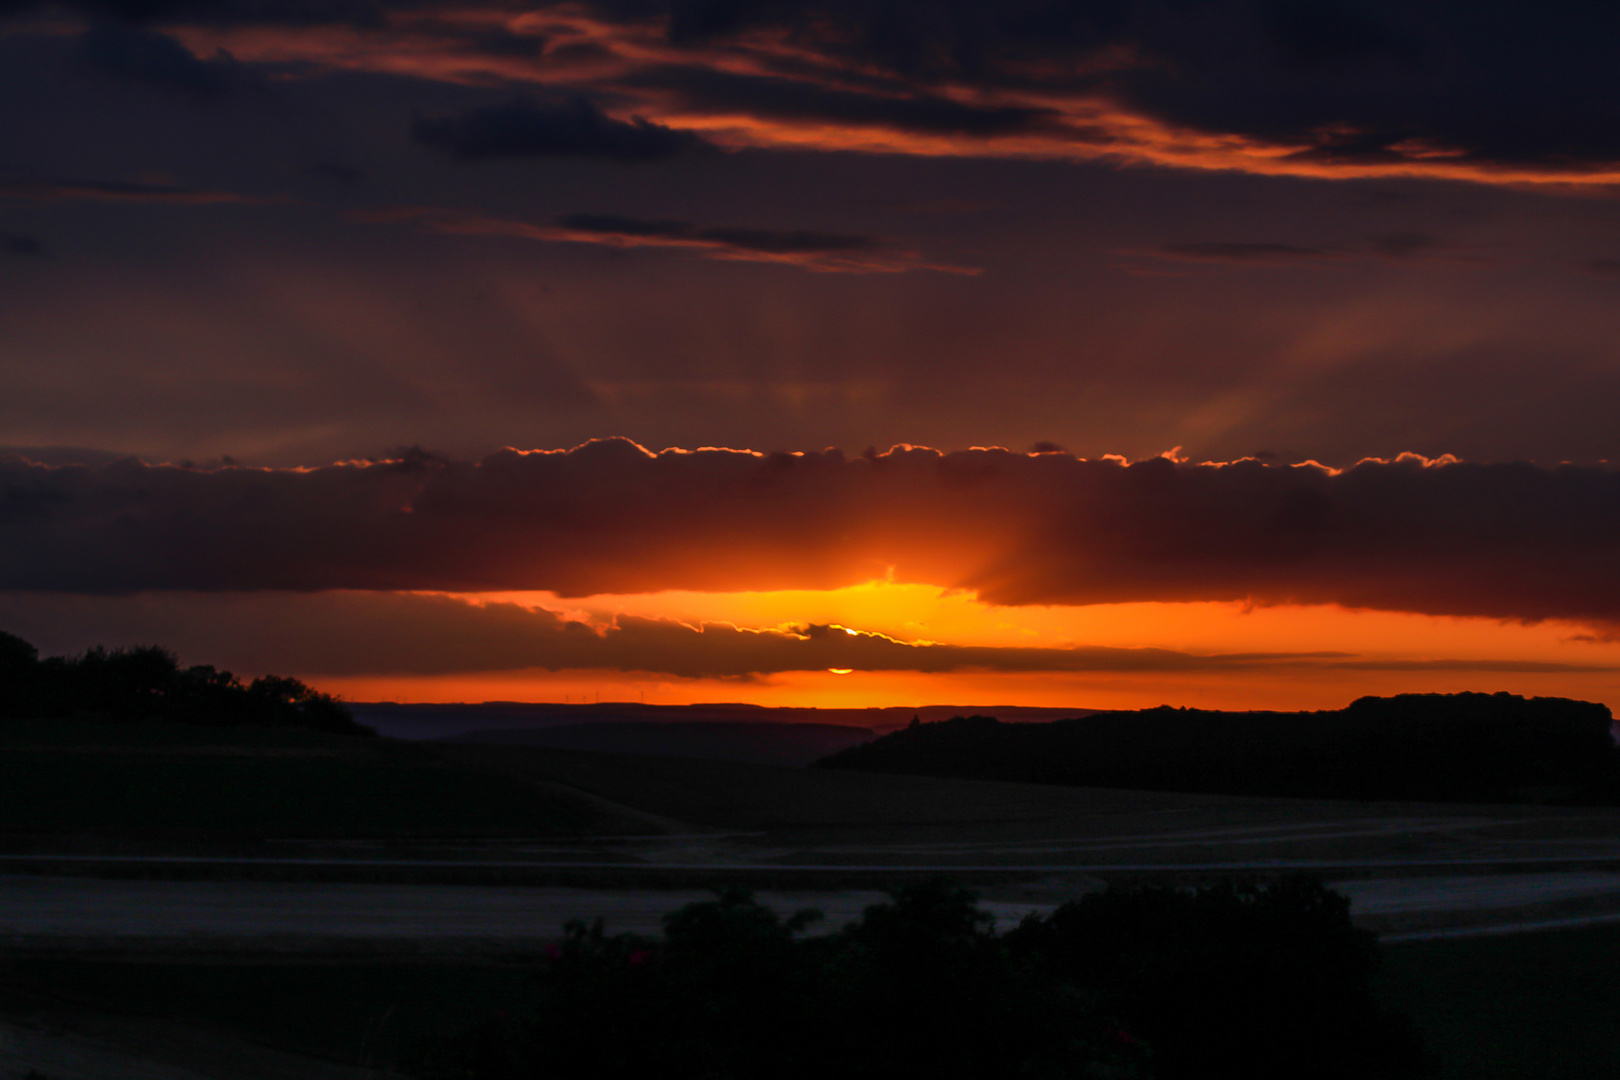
(1233, 980)
(1262, 982)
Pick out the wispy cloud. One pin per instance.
(808, 249)
(1396, 246)
(570, 127)
(352, 633)
(1062, 81)
(28, 246)
(59, 190)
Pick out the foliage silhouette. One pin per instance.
(147, 682)
(1233, 980)
(1260, 982)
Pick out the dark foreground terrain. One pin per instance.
(184, 902)
(1491, 1008)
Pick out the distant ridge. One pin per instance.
(440, 721)
(1466, 747)
(769, 743)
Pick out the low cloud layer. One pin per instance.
(26, 246)
(1512, 541)
(353, 634)
(68, 190)
(135, 55)
(569, 127)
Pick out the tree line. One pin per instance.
(1251, 981)
(147, 683)
(1468, 747)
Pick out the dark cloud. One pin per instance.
(157, 60)
(337, 172)
(27, 246)
(1602, 267)
(980, 39)
(502, 42)
(58, 190)
(764, 241)
(1326, 33)
(1350, 82)
(1511, 541)
(570, 127)
(347, 634)
(61, 455)
(1405, 245)
(809, 249)
(231, 12)
(927, 206)
(709, 89)
(1343, 83)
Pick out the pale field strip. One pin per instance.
(1259, 834)
(185, 751)
(302, 915)
(84, 1045)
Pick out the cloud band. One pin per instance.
(1513, 541)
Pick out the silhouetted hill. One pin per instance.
(1451, 747)
(764, 743)
(440, 721)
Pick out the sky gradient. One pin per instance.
(1251, 354)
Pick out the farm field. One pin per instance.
(322, 924)
(1535, 1006)
(1520, 1007)
(124, 784)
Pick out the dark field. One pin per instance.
(1522, 1007)
(183, 782)
(1525, 1005)
(1515, 1007)
(369, 1013)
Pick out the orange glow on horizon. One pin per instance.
(1381, 641)
(858, 689)
(928, 613)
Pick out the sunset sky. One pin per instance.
(1223, 353)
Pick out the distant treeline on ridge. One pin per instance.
(1466, 747)
(147, 682)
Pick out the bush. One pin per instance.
(147, 682)
(1258, 982)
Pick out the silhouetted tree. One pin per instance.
(147, 682)
(19, 675)
(1235, 980)
(1266, 983)
(300, 705)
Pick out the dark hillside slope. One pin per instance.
(1441, 747)
(764, 743)
(116, 786)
